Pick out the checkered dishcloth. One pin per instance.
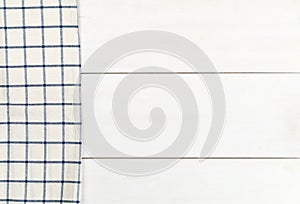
(39, 126)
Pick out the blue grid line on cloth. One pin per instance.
(38, 66)
(40, 123)
(26, 101)
(45, 101)
(40, 181)
(63, 99)
(38, 46)
(37, 85)
(37, 142)
(37, 7)
(40, 104)
(80, 127)
(40, 162)
(39, 27)
(63, 193)
(8, 99)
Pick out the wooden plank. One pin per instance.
(238, 36)
(262, 115)
(212, 181)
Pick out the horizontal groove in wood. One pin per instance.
(198, 158)
(190, 73)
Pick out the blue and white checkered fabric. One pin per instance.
(40, 148)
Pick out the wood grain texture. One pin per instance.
(213, 181)
(238, 36)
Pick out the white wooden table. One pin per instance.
(256, 46)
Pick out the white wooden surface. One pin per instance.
(262, 115)
(262, 109)
(256, 35)
(213, 182)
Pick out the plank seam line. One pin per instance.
(199, 158)
(157, 73)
